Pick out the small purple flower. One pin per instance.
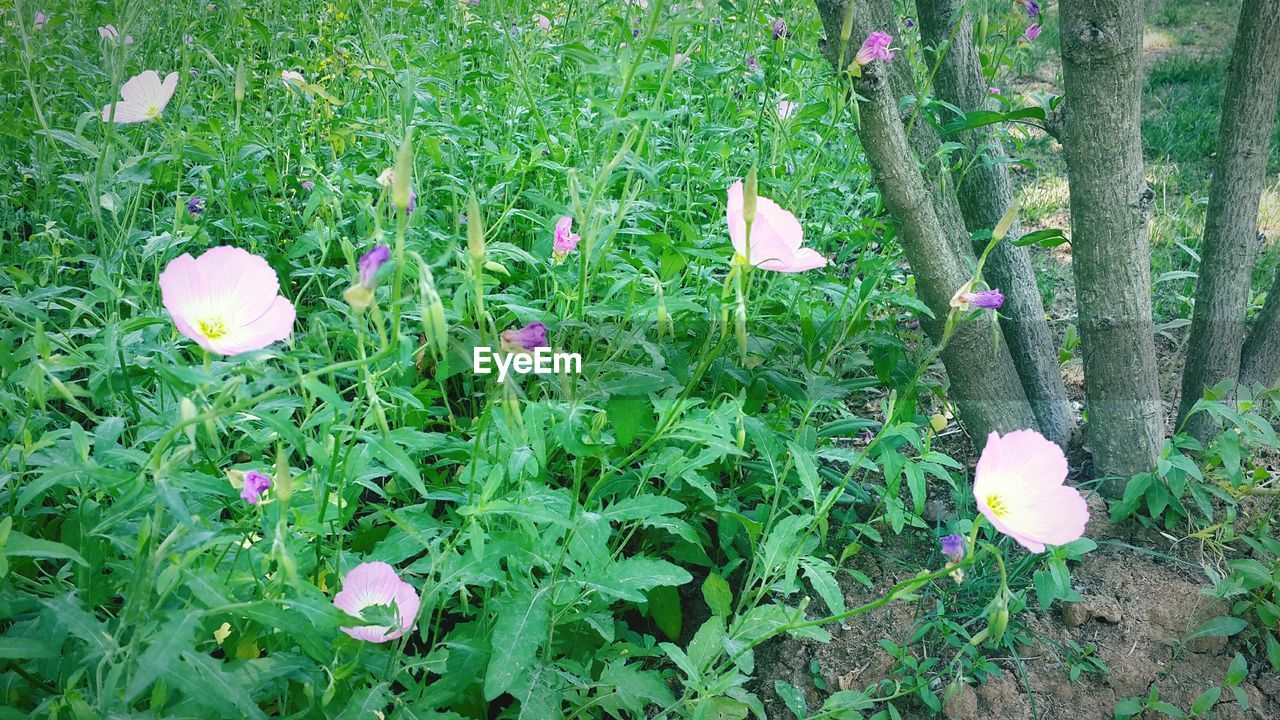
(953, 547)
(462, 219)
(913, 324)
(993, 91)
(908, 23)
(529, 338)
(40, 21)
(752, 64)
(635, 32)
(780, 30)
(195, 206)
(1033, 32)
(188, 39)
(370, 262)
(255, 484)
(1031, 6)
(308, 185)
(413, 202)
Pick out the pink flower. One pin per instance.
(780, 30)
(227, 300)
(528, 338)
(680, 59)
(565, 238)
(786, 109)
(875, 47)
(143, 98)
(542, 21)
(371, 262)
(1031, 6)
(993, 91)
(255, 484)
(372, 584)
(40, 21)
(109, 32)
(293, 78)
(776, 236)
(1033, 32)
(1018, 485)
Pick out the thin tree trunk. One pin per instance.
(1231, 223)
(1261, 357)
(985, 194)
(1110, 200)
(984, 383)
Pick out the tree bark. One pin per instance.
(1261, 357)
(985, 194)
(1110, 200)
(984, 383)
(1231, 223)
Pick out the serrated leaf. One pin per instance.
(517, 634)
(163, 653)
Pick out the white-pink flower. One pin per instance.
(143, 98)
(109, 32)
(776, 236)
(293, 78)
(1018, 485)
(372, 584)
(227, 300)
(787, 109)
(542, 21)
(40, 21)
(565, 240)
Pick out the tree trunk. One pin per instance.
(1261, 356)
(984, 383)
(1231, 223)
(985, 194)
(1101, 54)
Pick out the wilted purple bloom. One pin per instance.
(40, 20)
(188, 39)
(195, 206)
(565, 239)
(413, 202)
(462, 219)
(752, 64)
(530, 337)
(1033, 32)
(913, 324)
(307, 185)
(370, 262)
(953, 547)
(1031, 6)
(985, 299)
(255, 484)
(195, 73)
(780, 29)
(908, 23)
(875, 47)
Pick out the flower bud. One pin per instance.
(403, 173)
(240, 79)
(750, 192)
(358, 297)
(283, 480)
(187, 411)
(846, 27)
(740, 327)
(475, 230)
(432, 310)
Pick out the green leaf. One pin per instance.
(808, 473)
(792, 698)
(628, 415)
(1206, 701)
(163, 653)
(517, 634)
(1049, 237)
(397, 461)
(1273, 652)
(1237, 671)
(629, 578)
(1127, 708)
(641, 507)
(1221, 626)
(80, 623)
(664, 608)
(978, 118)
(719, 597)
(822, 577)
(21, 545)
(22, 648)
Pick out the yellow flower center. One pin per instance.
(997, 505)
(153, 110)
(212, 328)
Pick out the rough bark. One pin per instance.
(985, 194)
(1231, 222)
(1110, 200)
(984, 383)
(1261, 357)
